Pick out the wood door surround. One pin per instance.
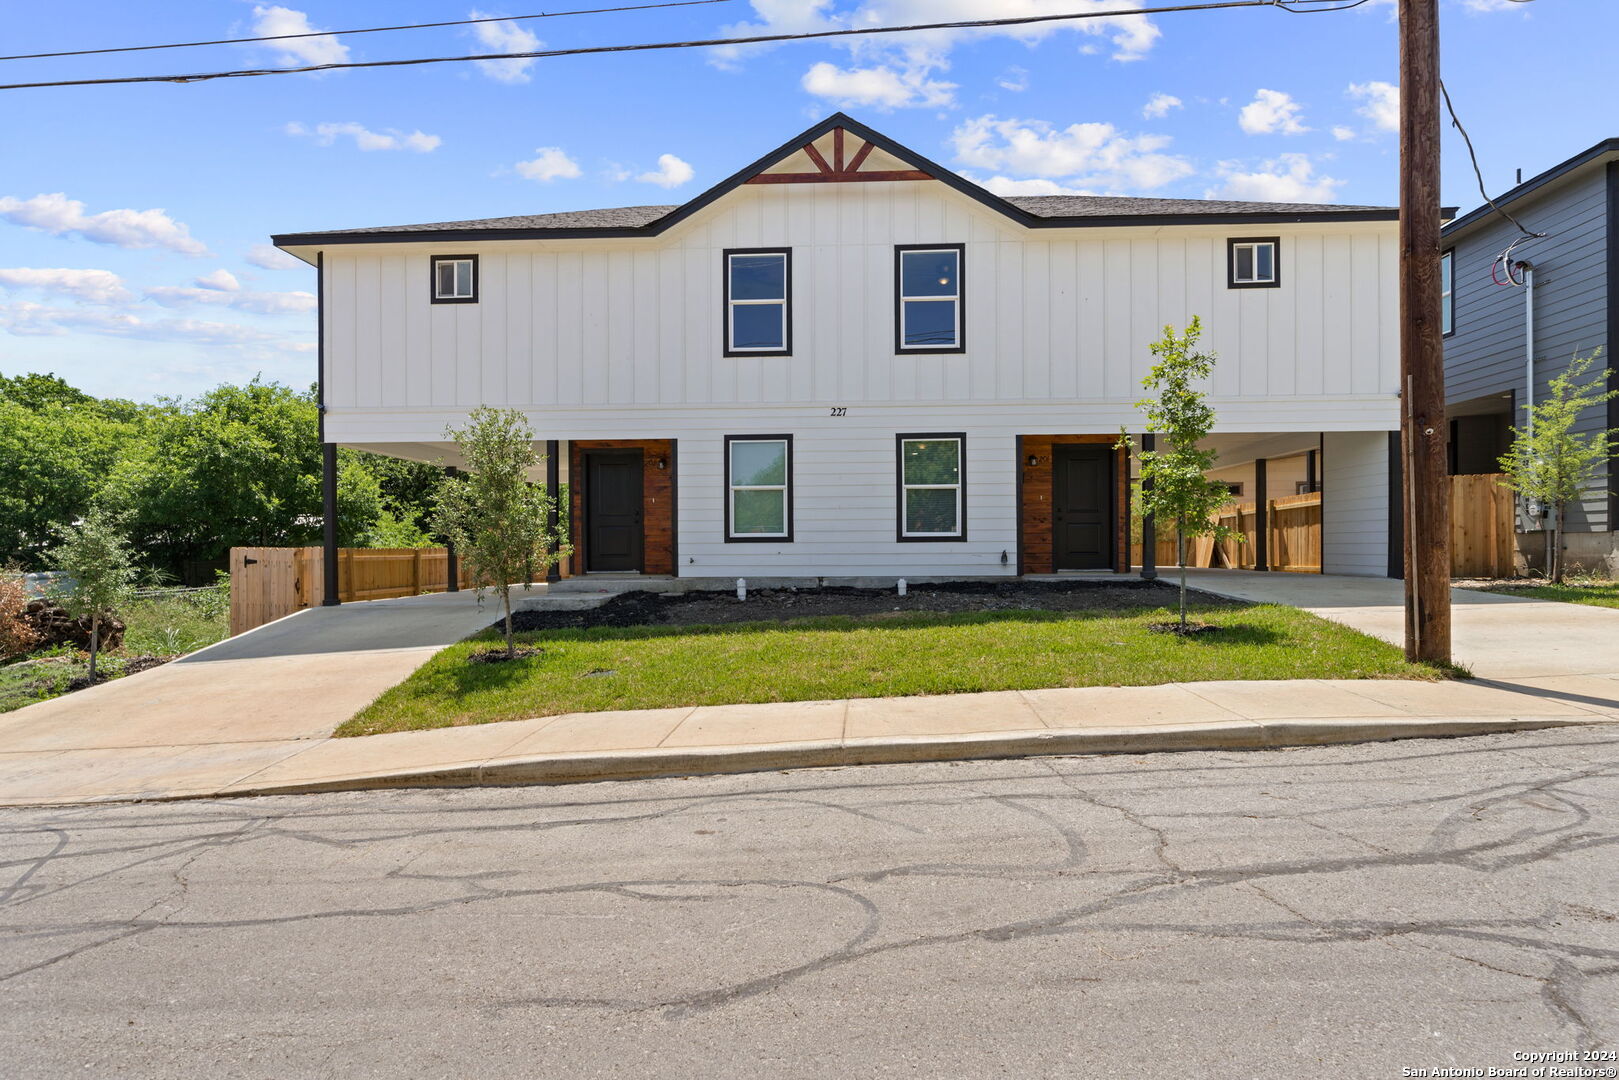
(1036, 501)
(657, 540)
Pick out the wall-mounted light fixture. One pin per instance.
(1034, 460)
(663, 463)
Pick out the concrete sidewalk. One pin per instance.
(739, 738)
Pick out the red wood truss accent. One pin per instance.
(841, 170)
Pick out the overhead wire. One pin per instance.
(1503, 260)
(365, 30)
(757, 39)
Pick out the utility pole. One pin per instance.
(1423, 429)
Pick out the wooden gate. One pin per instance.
(265, 584)
(1482, 526)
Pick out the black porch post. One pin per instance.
(553, 488)
(1149, 526)
(328, 451)
(1261, 518)
(1310, 471)
(452, 565)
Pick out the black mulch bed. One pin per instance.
(767, 605)
(500, 655)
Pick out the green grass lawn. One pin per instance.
(870, 656)
(161, 626)
(1573, 591)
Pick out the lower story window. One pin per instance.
(932, 487)
(758, 483)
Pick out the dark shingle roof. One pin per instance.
(613, 217)
(1080, 206)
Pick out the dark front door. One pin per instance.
(613, 510)
(1082, 507)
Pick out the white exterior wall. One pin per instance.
(1355, 503)
(622, 338)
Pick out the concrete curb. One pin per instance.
(705, 761)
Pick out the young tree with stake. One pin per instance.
(496, 519)
(1552, 464)
(1174, 488)
(96, 559)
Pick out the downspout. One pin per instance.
(1529, 390)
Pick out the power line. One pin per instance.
(1477, 172)
(965, 24)
(365, 30)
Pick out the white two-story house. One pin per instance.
(848, 361)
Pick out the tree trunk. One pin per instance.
(95, 642)
(1180, 552)
(1557, 545)
(506, 601)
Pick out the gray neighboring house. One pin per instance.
(1565, 306)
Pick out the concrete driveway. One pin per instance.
(1499, 637)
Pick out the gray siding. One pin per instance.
(1485, 355)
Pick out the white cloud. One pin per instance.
(1005, 185)
(882, 87)
(37, 320)
(1496, 5)
(1158, 106)
(549, 163)
(1015, 79)
(1272, 112)
(297, 52)
(270, 257)
(1380, 103)
(671, 172)
(1096, 155)
(1342, 133)
(92, 286)
(504, 37)
(59, 215)
(260, 303)
(1288, 178)
(220, 279)
(366, 139)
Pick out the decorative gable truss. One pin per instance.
(823, 161)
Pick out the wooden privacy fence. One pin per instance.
(1294, 538)
(1482, 526)
(267, 583)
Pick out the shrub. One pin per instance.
(17, 635)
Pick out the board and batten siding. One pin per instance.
(1355, 502)
(1485, 357)
(633, 326)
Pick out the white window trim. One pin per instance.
(955, 298)
(1253, 246)
(904, 487)
(785, 488)
(732, 303)
(1447, 297)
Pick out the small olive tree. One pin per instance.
(498, 520)
(95, 557)
(1552, 464)
(1174, 489)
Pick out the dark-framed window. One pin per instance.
(1254, 262)
(454, 279)
(758, 488)
(931, 475)
(930, 298)
(758, 301)
(1447, 292)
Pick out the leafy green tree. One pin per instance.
(1174, 488)
(1552, 464)
(57, 446)
(496, 519)
(96, 558)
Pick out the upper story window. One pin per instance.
(758, 302)
(932, 487)
(455, 279)
(1447, 292)
(929, 294)
(758, 483)
(1255, 263)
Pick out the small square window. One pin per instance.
(455, 279)
(1255, 263)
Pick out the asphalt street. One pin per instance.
(1335, 912)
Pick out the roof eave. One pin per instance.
(1557, 172)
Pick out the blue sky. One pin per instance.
(134, 219)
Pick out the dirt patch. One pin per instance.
(501, 656)
(133, 665)
(772, 605)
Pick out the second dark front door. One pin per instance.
(1082, 507)
(613, 510)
